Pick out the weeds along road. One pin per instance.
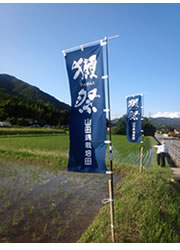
(39, 205)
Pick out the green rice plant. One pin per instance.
(34, 198)
(44, 212)
(59, 233)
(66, 195)
(14, 222)
(33, 236)
(4, 240)
(31, 209)
(22, 212)
(22, 195)
(8, 189)
(9, 172)
(53, 220)
(3, 228)
(8, 204)
(59, 189)
(45, 228)
(78, 212)
(52, 206)
(19, 191)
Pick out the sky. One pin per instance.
(145, 58)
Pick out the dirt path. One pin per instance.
(39, 205)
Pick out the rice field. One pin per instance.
(53, 149)
(39, 200)
(129, 153)
(47, 150)
(38, 205)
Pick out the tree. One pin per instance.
(120, 127)
(18, 109)
(147, 126)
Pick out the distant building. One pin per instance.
(166, 135)
(175, 132)
(5, 124)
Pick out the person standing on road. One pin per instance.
(159, 150)
(164, 154)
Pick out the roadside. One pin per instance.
(176, 174)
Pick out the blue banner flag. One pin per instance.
(133, 118)
(87, 120)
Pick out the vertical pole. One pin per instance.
(111, 210)
(142, 145)
(111, 189)
(141, 160)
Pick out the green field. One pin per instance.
(4, 132)
(52, 146)
(45, 149)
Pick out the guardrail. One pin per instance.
(173, 148)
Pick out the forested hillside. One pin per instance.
(22, 103)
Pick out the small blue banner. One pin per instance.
(87, 120)
(133, 118)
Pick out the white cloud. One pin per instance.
(166, 114)
(115, 116)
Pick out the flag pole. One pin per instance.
(142, 141)
(111, 188)
(87, 44)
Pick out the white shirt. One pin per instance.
(164, 148)
(161, 148)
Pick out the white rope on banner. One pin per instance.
(106, 201)
(105, 77)
(107, 142)
(101, 41)
(106, 110)
(109, 172)
(64, 52)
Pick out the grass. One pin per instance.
(146, 208)
(141, 203)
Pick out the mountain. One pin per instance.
(13, 86)
(164, 121)
(159, 122)
(21, 102)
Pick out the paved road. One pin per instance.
(176, 173)
(173, 145)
